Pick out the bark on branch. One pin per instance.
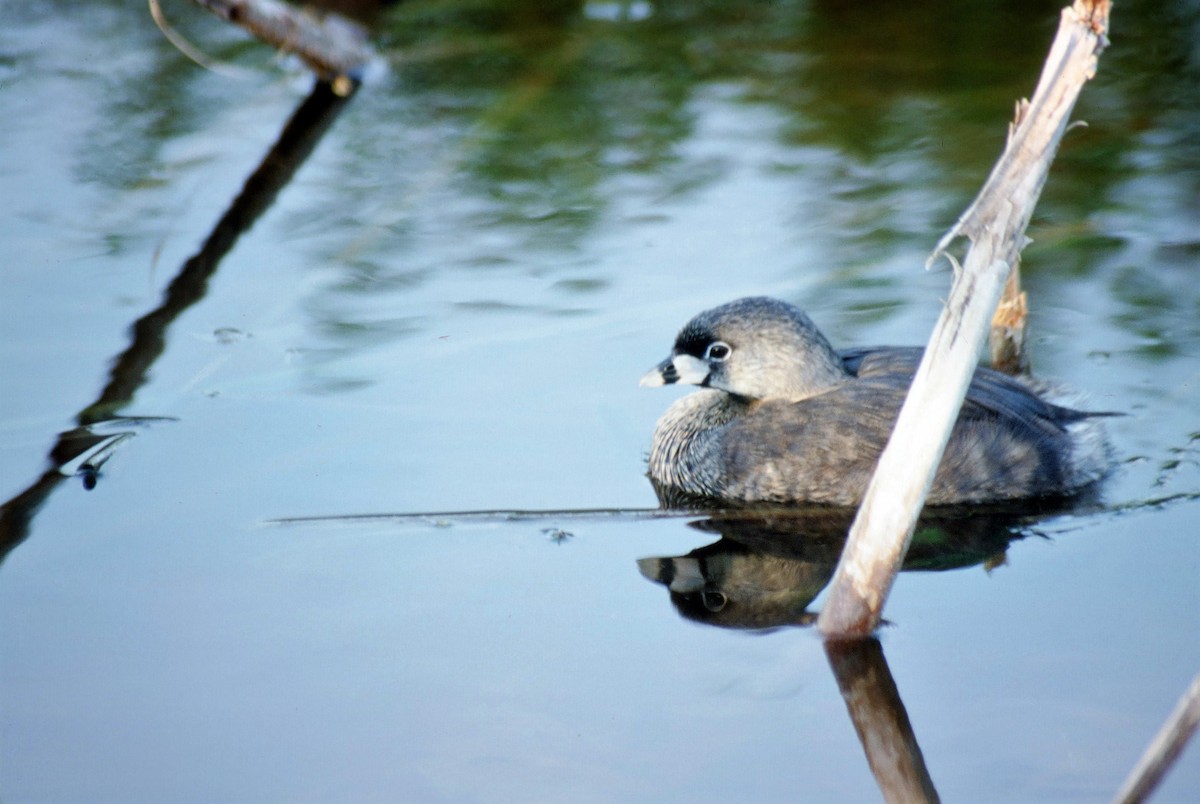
(333, 47)
(995, 224)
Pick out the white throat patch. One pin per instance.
(691, 370)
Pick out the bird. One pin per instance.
(783, 417)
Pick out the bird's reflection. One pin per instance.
(768, 566)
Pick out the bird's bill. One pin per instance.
(683, 369)
(662, 374)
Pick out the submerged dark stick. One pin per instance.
(301, 134)
(148, 334)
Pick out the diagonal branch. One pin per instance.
(995, 223)
(1166, 747)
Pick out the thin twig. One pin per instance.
(487, 516)
(191, 51)
(1164, 749)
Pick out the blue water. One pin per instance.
(449, 308)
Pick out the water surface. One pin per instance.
(448, 309)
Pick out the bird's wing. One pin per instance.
(990, 392)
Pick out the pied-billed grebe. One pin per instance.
(783, 417)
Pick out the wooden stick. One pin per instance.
(1164, 749)
(1007, 341)
(995, 223)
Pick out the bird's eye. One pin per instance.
(718, 351)
(713, 601)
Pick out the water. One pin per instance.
(448, 309)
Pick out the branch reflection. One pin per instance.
(880, 719)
